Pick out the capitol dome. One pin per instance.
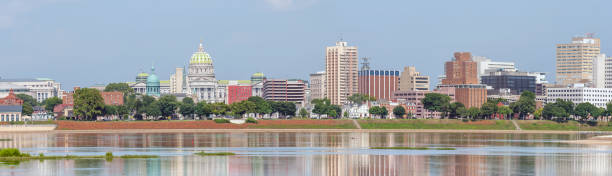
(200, 57)
(153, 84)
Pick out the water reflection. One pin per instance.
(311, 154)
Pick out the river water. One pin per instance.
(311, 153)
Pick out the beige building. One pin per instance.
(410, 79)
(317, 85)
(284, 90)
(341, 65)
(177, 81)
(575, 60)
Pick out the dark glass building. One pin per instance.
(516, 82)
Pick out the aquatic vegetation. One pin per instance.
(138, 156)
(215, 153)
(412, 148)
(13, 156)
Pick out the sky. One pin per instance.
(87, 42)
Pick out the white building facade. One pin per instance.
(580, 94)
(486, 66)
(201, 82)
(39, 88)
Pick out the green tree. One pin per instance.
(109, 110)
(554, 110)
(122, 111)
(167, 105)
(220, 108)
(453, 109)
(27, 109)
(27, 99)
(204, 109)
(473, 112)
(153, 110)
(187, 109)
(585, 109)
(119, 87)
(525, 105)
(399, 111)
(243, 107)
(332, 113)
(378, 110)
(505, 111)
(436, 102)
(568, 106)
(304, 113)
(88, 103)
(346, 114)
(360, 98)
(50, 103)
(538, 113)
(487, 109)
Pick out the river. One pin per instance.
(311, 153)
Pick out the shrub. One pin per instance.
(251, 120)
(221, 121)
(12, 152)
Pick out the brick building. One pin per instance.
(10, 108)
(415, 97)
(378, 83)
(284, 90)
(237, 93)
(110, 98)
(462, 74)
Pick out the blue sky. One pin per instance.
(81, 43)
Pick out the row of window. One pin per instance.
(9, 117)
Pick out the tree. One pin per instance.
(119, 87)
(122, 111)
(609, 108)
(346, 114)
(303, 112)
(585, 110)
(554, 110)
(153, 110)
(453, 109)
(50, 103)
(435, 102)
(243, 107)
(220, 108)
(399, 111)
(167, 105)
(487, 109)
(187, 100)
(538, 113)
(568, 106)
(261, 105)
(88, 103)
(187, 109)
(378, 110)
(324, 106)
(505, 110)
(360, 98)
(473, 112)
(27, 99)
(27, 109)
(332, 113)
(525, 105)
(203, 109)
(109, 110)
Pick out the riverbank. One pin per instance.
(205, 124)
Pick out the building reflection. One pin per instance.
(334, 154)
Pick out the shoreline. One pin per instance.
(324, 131)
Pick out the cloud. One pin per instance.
(290, 4)
(10, 10)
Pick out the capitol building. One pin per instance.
(200, 82)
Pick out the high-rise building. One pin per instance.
(461, 73)
(284, 90)
(599, 71)
(378, 83)
(201, 81)
(608, 72)
(341, 65)
(461, 70)
(410, 79)
(317, 85)
(486, 66)
(575, 60)
(177, 82)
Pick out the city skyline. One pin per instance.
(261, 30)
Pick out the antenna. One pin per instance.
(365, 65)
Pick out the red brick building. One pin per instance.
(378, 83)
(11, 99)
(237, 93)
(110, 98)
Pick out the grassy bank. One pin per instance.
(566, 126)
(450, 124)
(205, 124)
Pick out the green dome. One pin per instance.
(152, 79)
(200, 57)
(258, 74)
(143, 74)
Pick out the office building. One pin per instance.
(341, 66)
(410, 79)
(317, 85)
(378, 83)
(461, 70)
(177, 81)
(486, 66)
(39, 88)
(578, 93)
(515, 82)
(575, 60)
(284, 90)
(415, 97)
